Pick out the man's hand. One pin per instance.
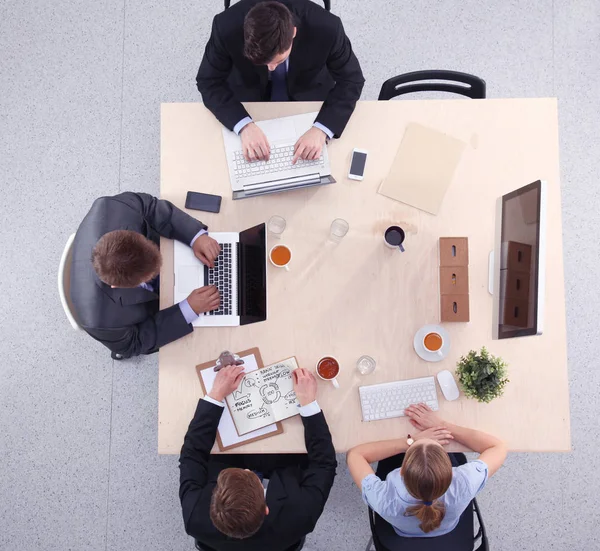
(309, 145)
(226, 381)
(305, 386)
(423, 417)
(206, 250)
(254, 143)
(204, 299)
(440, 434)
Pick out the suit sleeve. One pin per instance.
(164, 217)
(349, 81)
(195, 453)
(164, 327)
(212, 81)
(317, 478)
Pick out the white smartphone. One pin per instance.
(357, 165)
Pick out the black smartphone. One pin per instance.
(203, 201)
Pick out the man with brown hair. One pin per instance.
(114, 273)
(286, 50)
(254, 502)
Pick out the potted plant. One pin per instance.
(481, 375)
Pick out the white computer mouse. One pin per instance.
(448, 385)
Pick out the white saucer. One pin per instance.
(423, 352)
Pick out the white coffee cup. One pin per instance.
(439, 350)
(333, 379)
(287, 264)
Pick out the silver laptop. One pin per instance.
(240, 274)
(278, 174)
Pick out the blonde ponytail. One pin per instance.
(431, 516)
(427, 474)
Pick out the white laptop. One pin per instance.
(240, 274)
(278, 173)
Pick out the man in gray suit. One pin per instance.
(115, 267)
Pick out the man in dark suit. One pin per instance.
(279, 51)
(223, 497)
(114, 273)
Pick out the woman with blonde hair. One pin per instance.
(427, 494)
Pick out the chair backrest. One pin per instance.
(64, 282)
(434, 81)
(327, 3)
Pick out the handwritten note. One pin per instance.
(264, 396)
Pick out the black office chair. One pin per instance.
(462, 538)
(455, 82)
(296, 547)
(326, 2)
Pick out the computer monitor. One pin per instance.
(518, 265)
(252, 275)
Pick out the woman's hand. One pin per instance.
(440, 434)
(423, 417)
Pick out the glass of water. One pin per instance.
(365, 365)
(276, 226)
(339, 228)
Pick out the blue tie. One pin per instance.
(278, 83)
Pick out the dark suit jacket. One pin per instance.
(295, 497)
(127, 321)
(322, 66)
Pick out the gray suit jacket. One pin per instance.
(127, 321)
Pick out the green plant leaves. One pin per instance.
(481, 375)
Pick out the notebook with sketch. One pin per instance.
(264, 396)
(227, 435)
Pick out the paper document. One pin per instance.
(423, 168)
(264, 396)
(227, 431)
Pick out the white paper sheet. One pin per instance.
(227, 430)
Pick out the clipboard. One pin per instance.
(247, 438)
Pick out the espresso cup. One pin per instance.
(327, 368)
(433, 342)
(394, 237)
(281, 256)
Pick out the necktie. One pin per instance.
(279, 83)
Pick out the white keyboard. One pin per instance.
(388, 400)
(280, 160)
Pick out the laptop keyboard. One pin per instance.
(220, 276)
(280, 160)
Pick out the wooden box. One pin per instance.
(454, 251)
(455, 308)
(454, 280)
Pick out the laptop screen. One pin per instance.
(252, 275)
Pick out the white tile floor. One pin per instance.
(80, 87)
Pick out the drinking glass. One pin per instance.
(339, 228)
(276, 226)
(365, 365)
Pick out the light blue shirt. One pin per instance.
(184, 305)
(390, 498)
(247, 120)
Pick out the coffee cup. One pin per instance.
(433, 342)
(394, 237)
(327, 369)
(280, 256)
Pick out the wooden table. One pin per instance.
(359, 297)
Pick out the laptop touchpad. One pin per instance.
(278, 130)
(188, 278)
